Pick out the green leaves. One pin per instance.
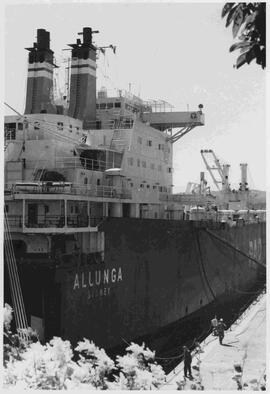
(238, 20)
(226, 9)
(239, 45)
(230, 16)
(241, 60)
(251, 17)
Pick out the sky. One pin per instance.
(178, 52)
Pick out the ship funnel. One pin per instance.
(243, 184)
(82, 104)
(39, 94)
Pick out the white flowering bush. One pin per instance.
(7, 316)
(57, 366)
(138, 370)
(95, 366)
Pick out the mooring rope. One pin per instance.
(225, 242)
(203, 267)
(15, 287)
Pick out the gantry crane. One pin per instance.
(219, 172)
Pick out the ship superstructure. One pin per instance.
(73, 170)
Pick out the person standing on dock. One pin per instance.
(214, 323)
(187, 362)
(221, 327)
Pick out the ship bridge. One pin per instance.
(162, 118)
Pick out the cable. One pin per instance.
(234, 248)
(16, 293)
(202, 265)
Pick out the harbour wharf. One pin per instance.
(240, 360)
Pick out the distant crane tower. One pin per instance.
(244, 183)
(219, 173)
(198, 188)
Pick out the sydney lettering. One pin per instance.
(97, 278)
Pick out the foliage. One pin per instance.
(56, 365)
(138, 370)
(249, 26)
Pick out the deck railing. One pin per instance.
(52, 221)
(70, 162)
(68, 188)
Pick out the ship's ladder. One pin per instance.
(38, 173)
(117, 140)
(14, 280)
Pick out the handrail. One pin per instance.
(87, 190)
(49, 221)
(74, 162)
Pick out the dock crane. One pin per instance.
(198, 188)
(219, 172)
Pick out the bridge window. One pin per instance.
(130, 161)
(10, 131)
(109, 105)
(149, 143)
(117, 105)
(93, 159)
(20, 126)
(102, 106)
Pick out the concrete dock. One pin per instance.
(244, 344)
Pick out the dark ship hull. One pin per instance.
(154, 273)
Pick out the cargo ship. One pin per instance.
(97, 245)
